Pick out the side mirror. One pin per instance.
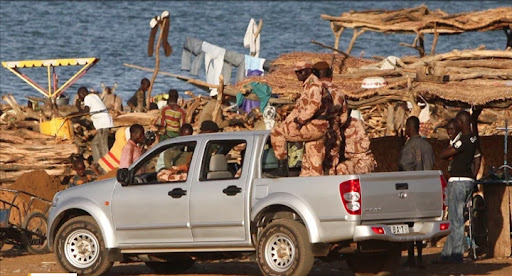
(123, 176)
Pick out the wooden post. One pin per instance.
(497, 199)
(418, 44)
(220, 95)
(157, 61)
(354, 38)
(337, 31)
(508, 33)
(390, 120)
(434, 42)
(421, 46)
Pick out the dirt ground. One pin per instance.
(14, 262)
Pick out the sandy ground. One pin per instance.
(15, 262)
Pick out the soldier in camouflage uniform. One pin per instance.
(333, 138)
(358, 157)
(307, 122)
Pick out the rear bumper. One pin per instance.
(421, 231)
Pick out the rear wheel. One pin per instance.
(35, 228)
(80, 248)
(284, 249)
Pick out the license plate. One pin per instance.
(399, 229)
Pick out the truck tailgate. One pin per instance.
(401, 195)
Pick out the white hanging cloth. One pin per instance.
(213, 62)
(250, 41)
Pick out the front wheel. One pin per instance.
(284, 249)
(80, 248)
(34, 233)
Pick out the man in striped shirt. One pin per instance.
(172, 117)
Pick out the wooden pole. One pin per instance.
(434, 42)
(329, 47)
(181, 77)
(354, 38)
(337, 31)
(157, 61)
(218, 104)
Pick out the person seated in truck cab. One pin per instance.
(176, 160)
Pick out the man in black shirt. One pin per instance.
(461, 182)
(464, 120)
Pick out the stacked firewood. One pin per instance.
(24, 150)
(438, 85)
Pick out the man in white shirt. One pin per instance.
(101, 120)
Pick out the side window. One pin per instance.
(295, 151)
(170, 164)
(223, 160)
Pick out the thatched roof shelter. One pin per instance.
(420, 20)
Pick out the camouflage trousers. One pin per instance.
(332, 149)
(360, 163)
(312, 133)
(171, 175)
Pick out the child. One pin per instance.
(172, 117)
(82, 175)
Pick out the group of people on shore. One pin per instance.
(464, 157)
(130, 142)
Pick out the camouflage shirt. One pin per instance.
(314, 101)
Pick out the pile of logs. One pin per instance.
(24, 150)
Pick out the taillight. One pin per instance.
(443, 190)
(444, 226)
(378, 230)
(350, 192)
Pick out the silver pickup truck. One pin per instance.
(224, 206)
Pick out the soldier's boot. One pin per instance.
(280, 171)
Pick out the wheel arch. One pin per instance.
(82, 207)
(284, 206)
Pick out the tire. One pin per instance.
(381, 263)
(479, 221)
(35, 228)
(284, 249)
(80, 247)
(176, 265)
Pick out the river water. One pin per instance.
(117, 32)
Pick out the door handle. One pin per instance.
(177, 193)
(232, 190)
(401, 186)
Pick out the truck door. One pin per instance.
(218, 200)
(153, 209)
